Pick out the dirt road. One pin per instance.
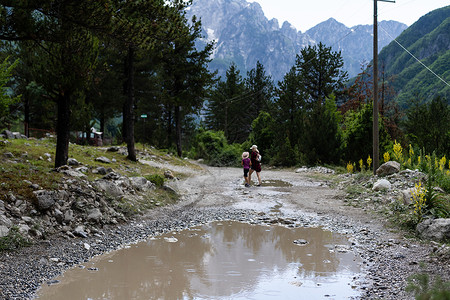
(389, 258)
(207, 194)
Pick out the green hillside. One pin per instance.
(428, 40)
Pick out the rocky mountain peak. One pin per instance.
(244, 35)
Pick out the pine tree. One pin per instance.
(229, 107)
(64, 30)
(320, 72)
(185, 74)
(261, 86)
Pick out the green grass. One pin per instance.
(31, 165)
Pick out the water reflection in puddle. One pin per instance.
(219, 261)
(276, 183)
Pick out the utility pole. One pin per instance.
(376, 140)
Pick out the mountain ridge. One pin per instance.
(428, 40)
(244, 36)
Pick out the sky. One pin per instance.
(304, 14)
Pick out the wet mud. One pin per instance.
(220, 260)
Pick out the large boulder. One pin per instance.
(141, 184)
(9, 135)
(103, 159)
(73, 162)
(109, 187)
(381, 185)
(434, 229)
(46, 199)
(388, 168)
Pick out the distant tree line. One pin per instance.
(82, 60)
(68, 64)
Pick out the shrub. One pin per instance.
(443, 181)
(419, 284)
(212, 146)
(207, 144)
(156, 179)
(14, 240)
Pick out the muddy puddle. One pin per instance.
(276, 183)
(221, 260)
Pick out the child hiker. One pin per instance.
(246, 163)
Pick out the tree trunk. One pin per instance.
(102, 124)
(26, 122)
(128, 109)
(178, 129)
(169, 126)
(62, 130)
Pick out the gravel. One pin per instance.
(388, 258)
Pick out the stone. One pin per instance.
(407, 196)
(35, 186)
(94, 215)
(300, 242)
(113, 149)
(171, 239)
(45, 199)
(68, 216)
(74, 173)
(434, 229)
(59, 216)
(141, 184)
(303, 169)
(48, 156)
(86, 246)
(111, 176)
(79, 231)
(36, 233)
(5, 221)
(63, 195)
(8, 155)
(82, 170)
(8, 134)
(15, 211)
(388, 168)
(4, 231)
(24, 229)
(168, 174)
(109, 187)
(27, 220)
(103, 159)
(73, 162)
(101, 171)
(382, 184)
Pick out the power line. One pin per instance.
(398, 43)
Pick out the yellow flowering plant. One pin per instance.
(349, 167)
(361, 165)
(442, 163)
(398, 151)
(386, 156)
(419, 200)
(369, 162)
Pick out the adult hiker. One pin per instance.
(255, 158)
